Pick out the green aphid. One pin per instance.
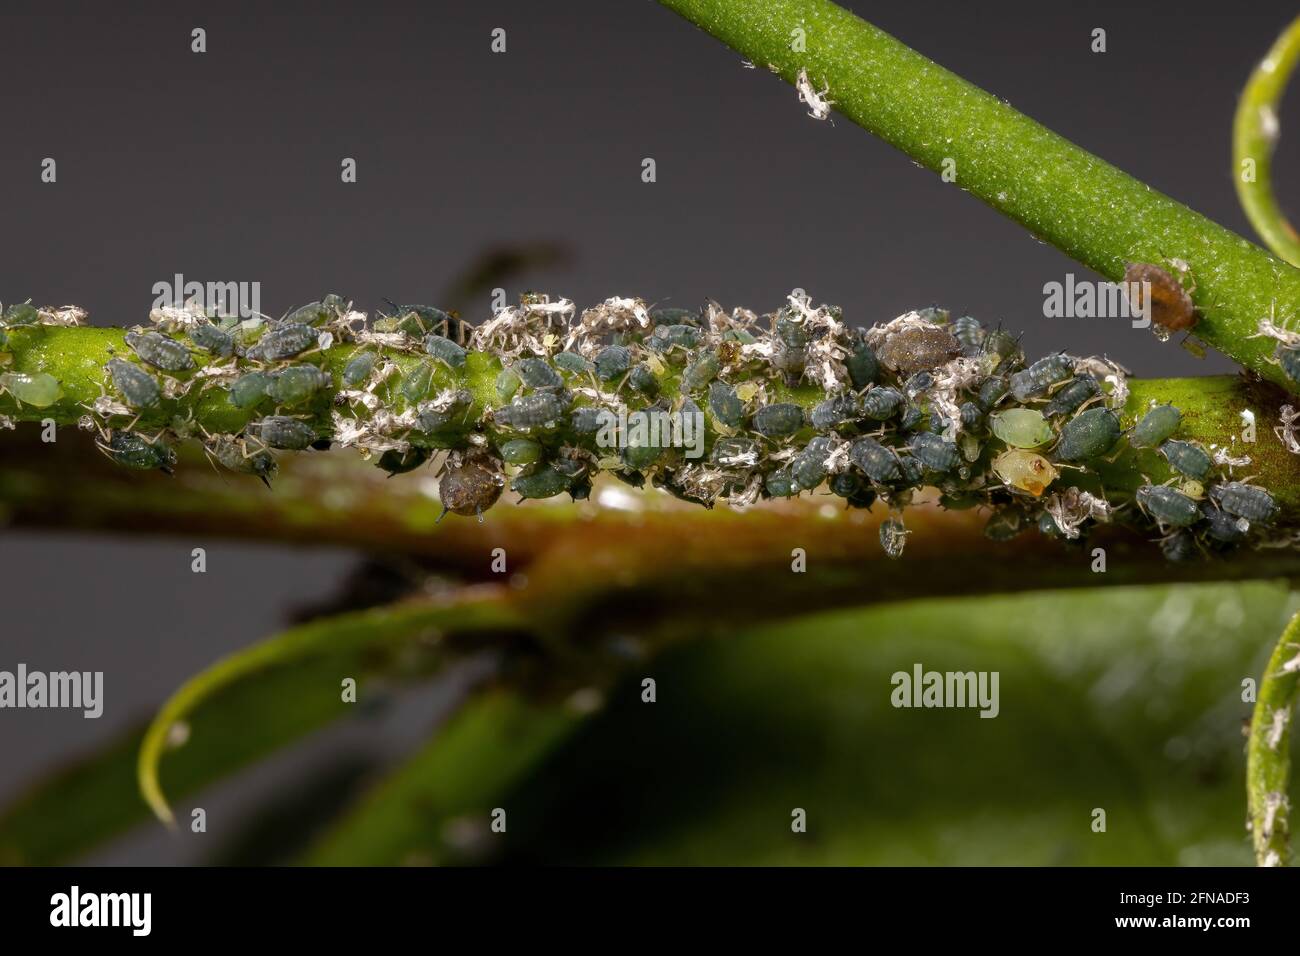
(334, 305)
(726, 405)
(309, 314)
(507, 384)
(780, 420)
(416, 383)
(249, 389)
(702, 370)
(1156, 426)
(1088, 435)
(400, 462)
(537, 373)
(1168, 507)
(359, 369)
(284, 341)
(612, 362)
(23, 313)
(138, 387)
(36, 388)
(643, 380)
(521, 451)
(131, 450)
(545, 482)
(445, 350)
(572, 362)
(245, 456)
(161, 352)
(213, 340)
(281, 431)
(1021, 427)
(1188, 458)
(297, 384)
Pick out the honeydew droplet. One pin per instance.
(1021, 427)
(39, 389)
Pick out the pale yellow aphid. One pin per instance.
(1025, 470)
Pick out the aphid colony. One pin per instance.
(926, 400)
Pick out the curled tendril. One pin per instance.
(1254, 137)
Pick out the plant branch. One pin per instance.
(1268, 755)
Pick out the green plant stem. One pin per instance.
(1062, 194)
(1254, 137)
(1268, 755)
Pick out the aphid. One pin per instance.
(138, 387)
(448, 352)
(835, 411)
(334, 304)
(913, 418)
(469, 488)
(400, 462)
(508, 382)
(809, 467)
(416, 383)
(249, 389)
(856, 492)
(893, 536)
(778, 421)
(1021, 427)
(1088, 435)
(1001, 351)
(790, 332)
(589, 420)
(432, 417)
(545, 482)
(1222, 526)
(881, 402)
(642, 379)
(1246, 501)
(359, 368)
(612, 362)
(212, 339)
(876, 461)
(918, 347)
(1171, 307)
(296, 384)
(1288, 356)
(971, 415)
(1004, 525)
(674, 316)
(701, 371)
(160, 351)
(1024, 470)
(640, 450)
(36, 388)
(20, 314)
(1179, 546)
(918, 383)
(280, 431)
(912, 471)
(969, 333)
(527, 412)
(284, 341)
(572, 362)
(992, 391)
(521, 451)
(667, 338)
(726, 405)
(1169, 507)
(536, 373)
(935, 453)
(861, 363)
(780, 483)
(234, 453)
(1069, 398)
(1187, 458)
(1036, 380)
(1156, 426)
(733, 452)
(309, 314)
(132, 450)
(791, 355)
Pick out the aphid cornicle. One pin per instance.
(281, 431)
(1187, 458)
(1038, 379)
(132, 450)
(249, 389)
(881, 402)
(726, 405)
(1088, 435)
(893, 536)
(936, 454)
(1072, 395)
(841, 409)
(138, 387)
(470, 488)
(1155, 426)
(39, 389)
(284, 341)
(161, 352)
(1246, 501)
(612, 362)
(876, 461)
(537, 410)
(359, 368)
(1168, 506)
(780, 420)
(809, 467)
(296, 384)
(212, 339)
(1171, 307)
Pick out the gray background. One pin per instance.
(225, 167)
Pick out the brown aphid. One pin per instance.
(918, 348)
(469, 488)
(1171, 307)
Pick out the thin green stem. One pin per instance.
(1062, 194)
(1254, 137)
(1268, 756)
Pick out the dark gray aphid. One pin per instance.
(1072, 395)
(1004, 525)
(913, 418)
(418, 321)
(1179, 546)
(1036, 380)
(1246, 501)
(876, 461)
(674, 316)
(281, 431)
(546, 482)
(970, 334)
(132, 450)
(21, 314)
(538, 410)
(935, 453)
(726, 405)
(862, 365)
(309, 314)
(918, 383)
(138, 387)
(809, 467)
(1289, 358)
(992, 391)
(1168, 506)
(445, 350)
(1004, 348)
(249, 389)
(359, 368)
(235, 454)
(590, 419)
(1223, 527)
(1155, 426)
(780, 420)
(1188, 458)
(856, 492)
(161, 352)
(971, 415)
(838, 410)
(1088, 435)
(881, 402)
(912, 471)
(212, 340)
(284, 341)
(297, 384)
(536, 373)
(780, 483)
(612, 362)
(400, 462)
(667, 338)
(643, 380)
